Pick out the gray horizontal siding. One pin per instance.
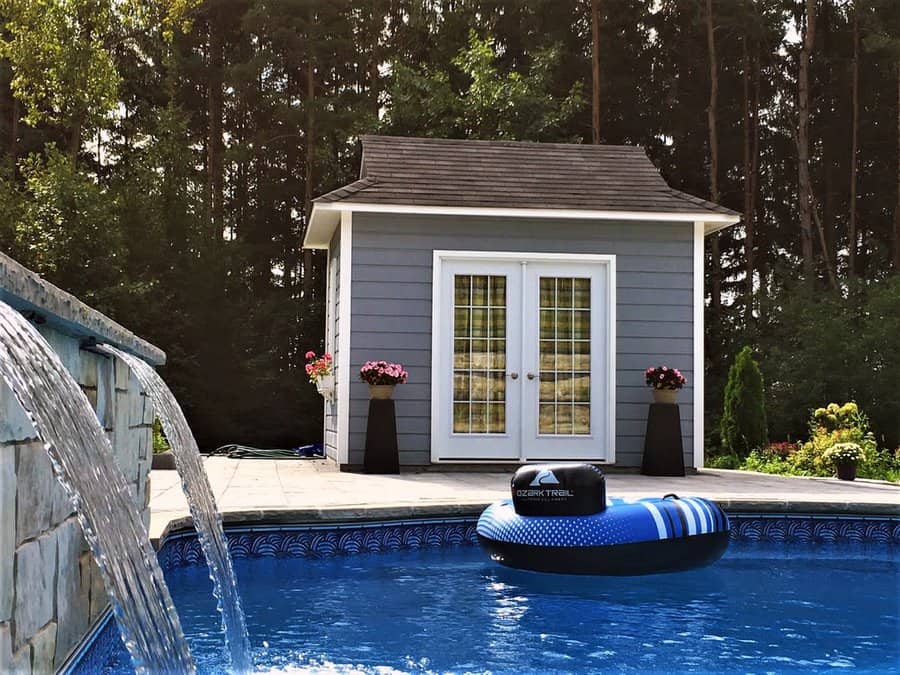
(391, 305)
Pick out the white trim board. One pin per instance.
(699, 307)
(440, 256)
(326, 216)
(343, 385)
(329, 344)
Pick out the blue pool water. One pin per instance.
(762, 608)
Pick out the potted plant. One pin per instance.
(382, 377)
(665, 382)
(320, 371)
(163, 457)
(845, 457)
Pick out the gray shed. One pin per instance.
(525, 286)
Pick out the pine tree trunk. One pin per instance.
(8, 108)
(374, 84)
(754, 174)
(854, 141)
(595, 71)
(804, 186)
(897, 207)
(716, 272)
(750, 132)
(75, 138)
(14, 130)
(214, 146)
(310, 135)
(293, 170)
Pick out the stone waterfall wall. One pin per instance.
(50, 588)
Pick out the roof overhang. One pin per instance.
(327, 215)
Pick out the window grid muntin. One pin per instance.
(576, 409)
(491, 367)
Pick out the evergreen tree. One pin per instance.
(744, 426)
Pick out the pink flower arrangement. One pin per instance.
(382, 372)
(663, 377)
(318, 367)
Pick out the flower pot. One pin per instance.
(665, 395)
(163, 461)
(846, 470)
(381, 391)
(325, 385)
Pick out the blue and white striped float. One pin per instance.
(641, 536)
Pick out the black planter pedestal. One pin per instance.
(663, 447)
(382, 454)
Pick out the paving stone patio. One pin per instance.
(309, 490)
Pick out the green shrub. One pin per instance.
(831, 429)
(743, 425)
(160, 444)
(836, 425)
(765, 460)
(724, 462)
(882, 465)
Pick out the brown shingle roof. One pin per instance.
(512, 174)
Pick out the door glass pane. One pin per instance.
(565, 356)
(479, 354)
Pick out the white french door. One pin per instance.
(522, 357)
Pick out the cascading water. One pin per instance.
(207, 520)
(85, 465)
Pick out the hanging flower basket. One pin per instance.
(320, 371)
(325, 385)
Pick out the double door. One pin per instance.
(522, 363)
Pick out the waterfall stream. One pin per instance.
(205, 514)
(84, 463)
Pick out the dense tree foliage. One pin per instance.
(159, 159)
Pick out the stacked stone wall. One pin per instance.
(50, 588)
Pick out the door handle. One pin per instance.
(514, 376)
(531, 376)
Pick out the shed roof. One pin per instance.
(432, 173)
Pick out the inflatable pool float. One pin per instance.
(559, 520)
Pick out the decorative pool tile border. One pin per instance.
(318, 541)
(814, 529)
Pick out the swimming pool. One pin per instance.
(826, 600)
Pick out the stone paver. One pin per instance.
(272, 490)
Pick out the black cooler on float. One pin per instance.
(559, 520)
(558, 490)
